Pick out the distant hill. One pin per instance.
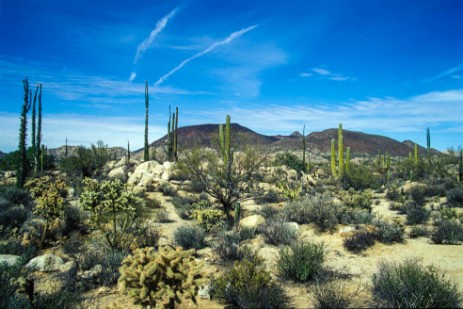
(59, 152)
(360, 143)
(2, 154)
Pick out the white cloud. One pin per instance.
(326, 74)
(321, 71)
(213, 46)
(305, 74)
(452, 72)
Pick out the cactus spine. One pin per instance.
(340, 152)
(333, 159)
(146, 154)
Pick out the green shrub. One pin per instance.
(393, 194)
(448, 232)
(190, 236)
(302, 261)
(411, 285)
(389, 232)
(249, 285)
(290, 160)
(15, 195)
(227, 245)
(358, 200)
(161, 215)
(167, 189)
(208, 219)
(360, 177)
(361, 239)
(416, 213)
(319, 209)
(185, 205)
(455, 197)
(357, 217)
(278, 232)
(333, 294)
(419, 231)
(268, 212)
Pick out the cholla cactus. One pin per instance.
(152, 277)
(113, 209)
(51, 196)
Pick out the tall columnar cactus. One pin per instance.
(128, 152)
(172, 133)
(428, 144)
(151, 277)
(348, 160)
(340, 152)
(460, 165)
(146, 153)
(23, 166)
(415, 154)
(333, 159)
(304, 165)
(225, 141)
(37, 128)
(237, 213)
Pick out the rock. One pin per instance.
(10, 174)
(167, 175)
(103, 290)
(346, 231)
(294, 226)
(69, 269)
(45, 263)
(253, 221)
(121, 162)
(408, 186)
(119, 173)
(94, 272)
(9, 259)
(205, 292)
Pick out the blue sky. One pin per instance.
(384, 67)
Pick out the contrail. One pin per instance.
(141, 49)
(228, 40)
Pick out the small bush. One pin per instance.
(246, 233)
(410, 285)
(448, 232)
(147, 235)
(190, 236)
(15, 195)
(358, 200)
(302, 261)
(357, 217)
(161, 215)
(268, 212)
(278, 232)
(455, 197)
(359, 240)
(167, 189)
(333, 294)
(393, 194)
(396, 206)
(290, 160)
(319, 209)
(208, 219)
(416, 213)
(270, 197)
(73, 220)
(388, 232)
(228, 245)
(360, 177)
(419, 231)
(249, 285)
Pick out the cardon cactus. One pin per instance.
(161, 277)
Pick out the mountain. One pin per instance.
(2, 154)
(360, 143)
(59, 152)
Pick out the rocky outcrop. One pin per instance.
(45, 263)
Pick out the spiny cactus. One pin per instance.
(237, 214)
(348, 160)
(428, 144)
(415, 154)
(165, 276)
(340, 152)
(333, 159)
(146, 154)
(460, 165)
(128, 152)
(172, 141)
(304, 165)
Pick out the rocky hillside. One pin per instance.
(117, 152)
(360, 143)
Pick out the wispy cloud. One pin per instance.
(455, 72)
(143, 46)
(226, 41)
(326, 74)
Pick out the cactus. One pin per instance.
(172, 142)
(128, 152)
(225, 145)
(340, 152)
(146, 154)
(415, 154)
(428, 144)
(42, 157)
(165, 276)
(304, 165)
(23, 166)
(333, 159)
(460, 165)
(347, 160)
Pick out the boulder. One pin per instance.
(10, 174)
(119, 173)
(45, 263)
(9, 259)
(253, 221)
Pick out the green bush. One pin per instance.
(359, 240)
(87, 162)
(167, 189)
(333, 294)
(190, 236)
(249, 285)
(448, 232)
(419, 231)
(278, 232)
(360, 177)
(411, 285)
(455, 197)
(302, 261)
(290, 160)
(208, 219)
(358, 200)
(389, 232)
(416, 213)
(357, 217)
(227, 245)
(319, 209)
(185, 205)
